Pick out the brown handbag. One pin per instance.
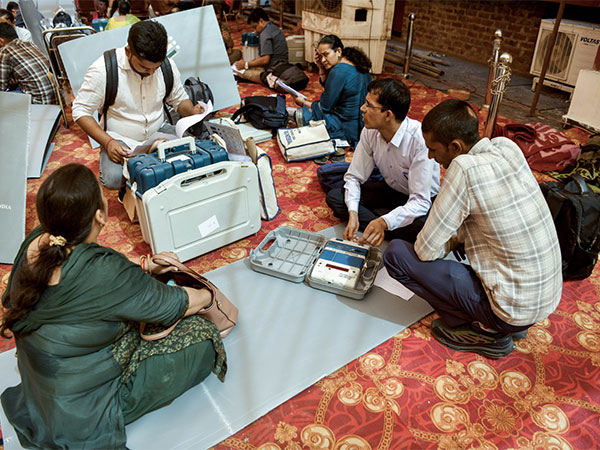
(221, 311)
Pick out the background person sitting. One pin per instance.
(344, 73)
(24, 68)
(272, 47)
(124, 18)
(74, 309)
(13, 7)
(8, 17)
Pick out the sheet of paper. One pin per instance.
(144, 147)
(208, 226)
(185, 122)
(237, 71)
(287, 88)
(341, 143)
(384, 281)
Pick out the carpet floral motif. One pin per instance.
(409, 392)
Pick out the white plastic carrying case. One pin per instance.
(333, 265)
(203, 209)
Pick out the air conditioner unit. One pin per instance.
(575, 49)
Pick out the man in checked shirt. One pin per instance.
(489, 202)
(24, 67)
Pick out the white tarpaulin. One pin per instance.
(288, 336)
(15, 121)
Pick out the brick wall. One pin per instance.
(465, 28)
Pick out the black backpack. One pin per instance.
(197, 91)
(263, 112)
(112, 81)
(290, 74)
(576, 213)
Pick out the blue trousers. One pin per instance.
(376, 199)
(451, 288)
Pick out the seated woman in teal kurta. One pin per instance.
(74, 308)
(344, 73)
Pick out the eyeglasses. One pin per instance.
(368, 105)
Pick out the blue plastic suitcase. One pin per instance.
(150, 169)
(214, 150)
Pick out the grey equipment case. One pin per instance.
(203, 209)
(325, 264)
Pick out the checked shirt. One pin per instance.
(23, 66)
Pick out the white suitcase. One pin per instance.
(201, 210)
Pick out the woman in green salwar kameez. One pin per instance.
(74, 308)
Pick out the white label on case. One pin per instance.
(178, 158)
(208, 226)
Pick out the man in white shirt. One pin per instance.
(23, 34)
(397, 206)
(137, 112)
(491, 203)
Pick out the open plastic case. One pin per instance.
(332, 265)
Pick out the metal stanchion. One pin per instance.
(499, 84)
(409, 39)
(493, 63)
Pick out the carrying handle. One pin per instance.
(267, 242)
(580, 182)
(369, 271)
(214, 170)
(166, 260)
(164, 146)
(242, 110)
(218, 140)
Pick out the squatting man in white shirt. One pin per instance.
(137, 112)
(397, 206)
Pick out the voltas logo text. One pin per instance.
(588, 40)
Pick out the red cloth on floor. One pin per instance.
(544, 147)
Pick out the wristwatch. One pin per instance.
(246, 65)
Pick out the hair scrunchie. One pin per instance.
(57, 240)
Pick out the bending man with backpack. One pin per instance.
(491, 207)
(127, 87)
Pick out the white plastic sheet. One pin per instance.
(15, 121)
(288, 336)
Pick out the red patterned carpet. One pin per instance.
(409, 392)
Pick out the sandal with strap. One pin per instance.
(339, 155)
(471, 338)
